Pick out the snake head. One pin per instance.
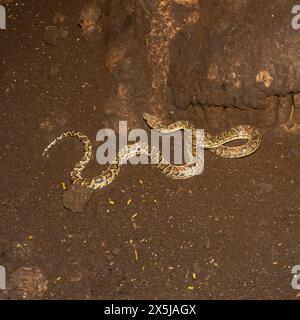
(151, 120)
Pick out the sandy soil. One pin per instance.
(231, 233)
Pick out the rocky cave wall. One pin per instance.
(228, 55)
(218, 62)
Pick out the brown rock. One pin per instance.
(27, 283)
(77, 197)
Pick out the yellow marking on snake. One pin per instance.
(214, 143)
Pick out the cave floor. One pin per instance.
(230, 233)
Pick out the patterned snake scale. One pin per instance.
(214, 143)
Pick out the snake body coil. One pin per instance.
(215, 144)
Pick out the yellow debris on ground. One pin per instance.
(110, 201)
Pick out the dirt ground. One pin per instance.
(231, 233)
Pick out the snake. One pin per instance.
(214, 143)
